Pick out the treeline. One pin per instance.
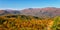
(23, 22)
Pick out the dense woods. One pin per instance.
(23, 22)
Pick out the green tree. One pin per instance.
(56, 25)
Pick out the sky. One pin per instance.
(21, 4)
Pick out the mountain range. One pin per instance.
(39, 12)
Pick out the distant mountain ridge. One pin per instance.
(40, 12)
(48, 11)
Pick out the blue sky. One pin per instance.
(21, 4)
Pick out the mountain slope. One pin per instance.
(48, 11)
(40, 12)
(5, 12)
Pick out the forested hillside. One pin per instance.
(23, 22)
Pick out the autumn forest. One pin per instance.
(23, 22)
